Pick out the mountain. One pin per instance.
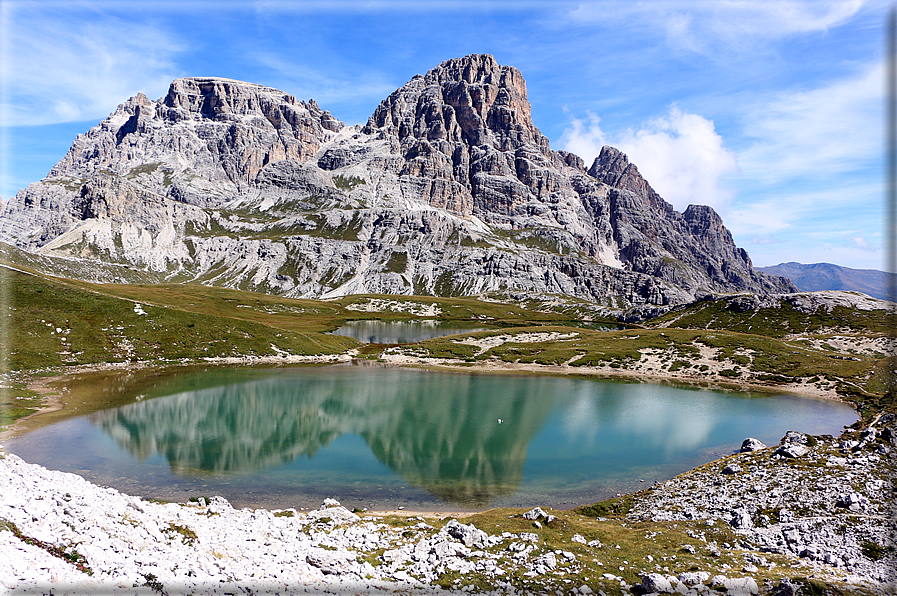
(449, 189)
(826, 276)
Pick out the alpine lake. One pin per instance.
(383, 437)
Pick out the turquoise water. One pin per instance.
(381, 437)
(404, 332)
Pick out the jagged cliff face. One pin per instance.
(449, 189)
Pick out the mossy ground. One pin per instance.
(627, 551)
(54, 323)
(51, 324)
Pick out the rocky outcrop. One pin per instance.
(219, 130)
(448, 189)
(824, 500)
(830, 520)
(613, 168)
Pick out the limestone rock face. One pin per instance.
(449, 189)
(613, 168)
(219, 130)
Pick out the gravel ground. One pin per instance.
(821, 501)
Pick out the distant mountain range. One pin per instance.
(826, 276)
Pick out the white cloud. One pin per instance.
(704, 26)
(59, 68)
(763, 240)
(585, 139)
(838, 224)
(680, 154)
(818, 132)
(861, 243)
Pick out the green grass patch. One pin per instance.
(773, 322)
(187, 535)
(55, 323)
(397, 263)
(347, 182)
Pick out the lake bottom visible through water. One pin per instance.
(382, 438)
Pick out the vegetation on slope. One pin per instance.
(52, 324)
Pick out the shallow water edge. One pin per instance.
(93, 391)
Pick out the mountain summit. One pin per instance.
(448, 189)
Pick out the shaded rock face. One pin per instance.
(449, 189)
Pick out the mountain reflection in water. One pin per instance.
(438, 431)
(381, 434)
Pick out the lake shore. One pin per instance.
(649, 369)
(144, 545)
(732, 523)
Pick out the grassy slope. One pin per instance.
(52, 324)
(101, 323)
(177, 322)
(775, 322)
(746, 358)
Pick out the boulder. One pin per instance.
(693, 578)
(545, 563)
(785, 588)
(741, 520)
(751, 444)
(535, 513)
(469, 534)
(655, 583)
(338, 515)
(331, 562)
(792, 436)
(852, 501)
(792, 450)
(732, 469)
(741, 586)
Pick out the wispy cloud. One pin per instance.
(761, 240)
(402, 6)
(821, 211)
(737, 24)
(839, 224)
(680, 154)
(61, 67)
(832, 129)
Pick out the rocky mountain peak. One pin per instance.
(474, 68)
(612, 167)
(465, 132)
(450, 189)
(205, 128)
(471, 99)
(221, 99)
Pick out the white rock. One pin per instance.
(535, 514)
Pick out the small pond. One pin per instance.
(405, 332)
(382, 437)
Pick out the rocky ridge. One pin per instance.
(835, 524)
(824, 500)
(449, 189)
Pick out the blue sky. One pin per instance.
(770, 111)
